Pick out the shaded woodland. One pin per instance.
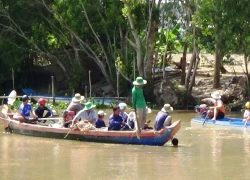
(113, 41)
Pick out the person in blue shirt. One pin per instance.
(115, 120)
(24, 111)
(99, 123)
(163, 117)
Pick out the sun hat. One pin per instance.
(101, 113)
(203, 106)
(122, 105)
(139, 81)
(77, 98)
(247, 105)
(167, 108)
(216, 95)
(88, 106)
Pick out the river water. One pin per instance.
(203, 153)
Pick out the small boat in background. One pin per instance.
(227, 121)
(147, 137)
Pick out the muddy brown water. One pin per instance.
(204, 152)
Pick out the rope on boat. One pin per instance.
(133, 135)
(82, 126)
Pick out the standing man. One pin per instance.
(138, 101)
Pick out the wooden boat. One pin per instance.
(149, 137)
(227, 121)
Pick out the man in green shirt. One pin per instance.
(138, 101)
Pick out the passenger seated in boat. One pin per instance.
(131, 119)
(99, 123)
(163, 117)
(202, 109)
(39, 111)
(123, 114)
(246, 115)
(24, 111)
(116, 122)
(88, 114)
(218, 110)
(74, 107)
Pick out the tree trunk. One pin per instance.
(192, 82)
(190, 69)
(247, 73)
(150, 51)
(151, 34)
(137, 43)
(183, 64)
(218, 59)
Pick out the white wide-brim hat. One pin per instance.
(167, 108)
(77, 98)
(216, 95)
(122, 105)
(139, 81)
(203, 106)
(101, 113)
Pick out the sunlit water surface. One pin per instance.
(204, 152)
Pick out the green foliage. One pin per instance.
(168, 42)
(61, 27)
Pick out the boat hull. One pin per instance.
(227, 121)
(150, 137)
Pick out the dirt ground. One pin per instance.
(204, 77)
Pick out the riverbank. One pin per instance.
(232, 83)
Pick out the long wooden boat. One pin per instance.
(149, 137)
(227, 121)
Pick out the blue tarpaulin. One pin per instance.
(29, 92)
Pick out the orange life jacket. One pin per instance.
(222, 108)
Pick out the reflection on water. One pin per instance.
(204, 152)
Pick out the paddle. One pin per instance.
(71, 128)
(136, 127)
(208, 112)
(68, 132)
(205, 119)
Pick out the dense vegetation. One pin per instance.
(115, 40)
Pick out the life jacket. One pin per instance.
(222, 108)
(70, 115)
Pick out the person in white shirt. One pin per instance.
(88, 114)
